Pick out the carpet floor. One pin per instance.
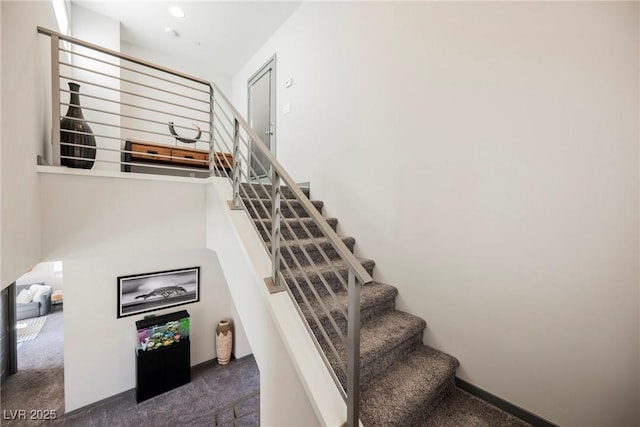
(39, 385)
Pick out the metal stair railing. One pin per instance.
(232, 133)
(132, 99)
(233, 413)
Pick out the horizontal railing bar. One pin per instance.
(116, 139)
(221, 158)
(310, 260)
(295, 237)
(316, 244)
(114, 150)
(250, 169)
(131, 93)
(129, 58)
(315, 318)
(77, 67)
(222, 109)
(307, 256)
(236, 403)
(260, 220)
(135, 71)
(87, 95)
(263, 225)
(314, 339)
(359, 271)
(123, 127)
(226, 147)
(225, 131)
(144, 165)
(255, 211)
(126, 127)
(221, 125)
(315, 292)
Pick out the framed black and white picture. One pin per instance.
(142, 293)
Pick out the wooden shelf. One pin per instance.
(141, 152)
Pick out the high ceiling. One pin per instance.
(228, 31)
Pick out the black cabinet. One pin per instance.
(162, 370)
(165, 368)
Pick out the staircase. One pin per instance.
(402, 380)
(388, 377)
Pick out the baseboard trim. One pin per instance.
(509, 407)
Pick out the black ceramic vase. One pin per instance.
(82, 138)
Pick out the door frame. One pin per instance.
(269, 65)
(8, 294)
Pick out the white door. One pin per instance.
(262, 107)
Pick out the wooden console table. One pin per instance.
(56, 299)
(146, 153)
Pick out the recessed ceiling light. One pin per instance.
(176, 11)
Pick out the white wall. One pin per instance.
(194, 67)
(90, 299)
(486, 156)
(26, 130)
(103, 227)
(94, 28)
(91, 216)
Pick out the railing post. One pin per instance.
(275, 230)
(236, 164)
(353, 352)
(212, 151)
(55, 100)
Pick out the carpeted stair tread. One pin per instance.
(459, 408)
(264, 190)
(312, 247)
(410, 384)
(386, 331)
(264, 226)
(262, 208)
(326, 271)
(380, 335)
(372, 295)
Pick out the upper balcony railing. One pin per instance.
(126, 114)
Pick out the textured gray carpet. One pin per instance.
(212, 387)
(403, 382)
(39, 384)
(459, 408)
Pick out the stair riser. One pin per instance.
(264, 209)
(297, 229)
(330, 278)
(371, 370)
(314, 253)
(422, 413)
(264, 191)
(366, 313)
(382, 363)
